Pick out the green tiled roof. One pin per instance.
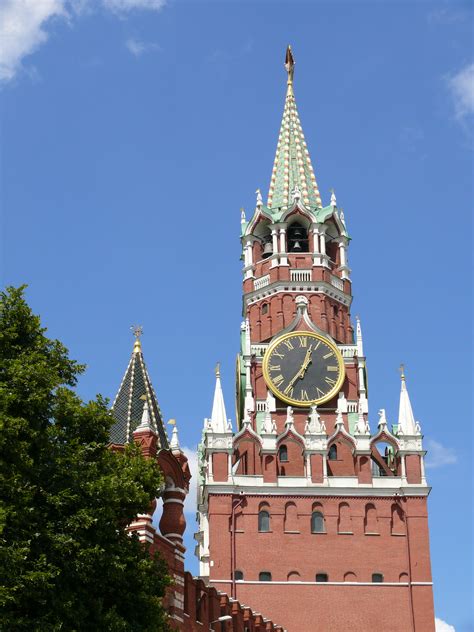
(292, 167)
(135, 389)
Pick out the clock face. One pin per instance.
(303, 368)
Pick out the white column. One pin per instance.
(283, 249)
(422, 467)
(248, 256)
(275, 240)
(325, 469)
(323, 243)
(210, 471)
(229, 465)
(308, 466)
(316, 240)
(342, 253)
(404, 471)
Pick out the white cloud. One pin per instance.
(442, 626)
(22, 31)
(461, 86)
(190, 505)
(138, 47)
(439, 455)
(24, 24)
(128, 5)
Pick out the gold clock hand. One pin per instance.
(302, 369)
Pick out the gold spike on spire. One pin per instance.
(290, 65)
(217, 370)
(137, 332)
(402, 372)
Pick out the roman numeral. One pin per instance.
(303, 341)
(279, 379)
(304, 395)
(275, 367)
(319, 392)
(278, 355)
(289, 390)
(328, 355)
(332, 369)
(288, 344)
(330, 381)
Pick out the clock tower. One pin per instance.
(305, 513)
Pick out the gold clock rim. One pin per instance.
(311, 402)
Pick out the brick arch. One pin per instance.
(344, 520)
(350, 576)
(291, 517)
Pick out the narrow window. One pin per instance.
(265, 576)
(321, 577)
(283, 454)
(297, 238)
(263, 521)
(377, 578)
(265, 308)
(317, 522)
(238, 576)
(332, 456)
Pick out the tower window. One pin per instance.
(377, 578)
(238, 576)
(297, 238)
(283, 454)
(317, 522)
(321, 578)
(265, 576)
(265, 308)
(332, 456)
(263, 521)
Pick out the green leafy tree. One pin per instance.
(67, 562)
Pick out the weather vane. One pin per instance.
(137, 331)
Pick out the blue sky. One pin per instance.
(134, 130)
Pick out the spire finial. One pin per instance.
(402, 372)
(217, 370)
(243, 219)
(290, 65)
(137, 332)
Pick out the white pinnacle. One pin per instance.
(406, 419)
(219, 422)
(145, 421)
(174, 443)
(359, 341)
(333, 198)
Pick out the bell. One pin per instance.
(297, 247)
(267, 250)
(297, 233)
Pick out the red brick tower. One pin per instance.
(304, 513)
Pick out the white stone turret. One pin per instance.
(174, 443)
(359, 341)
(406, 420)
(218, 422)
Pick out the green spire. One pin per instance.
(292, 169)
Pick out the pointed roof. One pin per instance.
(406, 419)
(292, 169)
(136, 401)
(218, 420)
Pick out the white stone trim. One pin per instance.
(303, 583)
(288, 287)
(173, 500)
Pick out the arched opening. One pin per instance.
(238, 576)
(297, 238)
(321, 578)
(291, 518)
(398, 523)
(350, 577)
(344, 522)
(403, 577)
(370, 520)
(317, 522)
(283, 454)
(265, 576)
(377, 578)
(332, 454)
(263, 521)
(384, 462)
(293, 576)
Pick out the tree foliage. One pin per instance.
(67, 561)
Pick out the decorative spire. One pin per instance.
(292, 167)
(135, 403)
(333, 198)
(145, 422)
(174, 443)
(243, 219)
(359, 341)
(259, 198)
(218, 421)
(137, 332)
(406, 420)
